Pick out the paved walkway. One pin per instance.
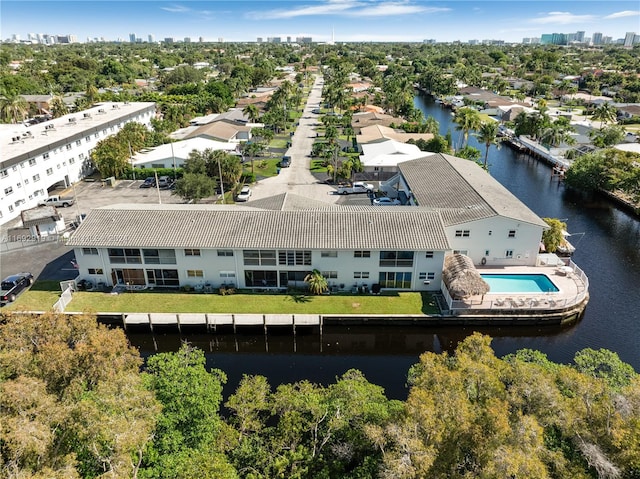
(297, 178)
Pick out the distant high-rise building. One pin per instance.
(220, 40)
(151, 38)
(187, 39)
(288, 39)
(304, 40)
(429, 41)
(606, 40)
(274, 40)
(168, 39)
(580, 37)
(629, 39)
(597, 38)
(132, 38)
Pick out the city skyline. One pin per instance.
(323, 20)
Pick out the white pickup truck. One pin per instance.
(357, 187)
(56, 200)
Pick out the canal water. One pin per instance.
(608, 250)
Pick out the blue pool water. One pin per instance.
(519, 283)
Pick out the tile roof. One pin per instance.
(289, 202)
(213, 226)
(462, 191)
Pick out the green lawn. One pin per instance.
(400, 303)
(40, 297)
(318, 166)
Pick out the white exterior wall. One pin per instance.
(492, 235)
(218, 270)
(47, 229)
(24, 184)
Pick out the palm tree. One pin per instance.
(467, 119)
(13, 107)
(604, 113)
(488, 134)
(252, 112)
(317, 282)
(557, 133)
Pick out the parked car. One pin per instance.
(13, 285)
(57, 201)
(165, 182)
(245, 194)
(386, 201)
(149, 182)
(357, 187)
(316, 111)
(285, 162)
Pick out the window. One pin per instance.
(159, 256)
(462, 233)
(32, 162)
(460, 251)
(95, 270)
(509, 253)
(19, 202)
(512, 233)
(429, 254)
(26, 181)
(8, 191)
(96, 135)
(395, 280)
(22, 164)
(328, 254)
(68, 146)
(396, 258)
(294, 258)
(227, 274)
(49, 171)
(72, 160)
(36, 178)
(191, 252)
(87, 139)
(360, 274)
(486, 252)
(195, 273)
(4, 173)
(259, 257)
(81, 156)
(225, 252)
(10, 208)
(58, 165)
(78, 142)
(125, 255)
(362, 254)
(424, 275)
(330, 274)
(45, 156)
(163, 277)
(92, 251)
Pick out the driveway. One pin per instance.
(297, 178)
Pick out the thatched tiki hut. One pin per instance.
(462, 278)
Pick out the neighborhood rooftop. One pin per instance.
(211, 226)
(462, 191)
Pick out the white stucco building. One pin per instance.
(452, 206)
(172, 155)
(35, 158)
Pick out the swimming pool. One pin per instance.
(519, 283)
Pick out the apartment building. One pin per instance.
(35, 159)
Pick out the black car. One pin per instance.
(149, 182)
(13, 285)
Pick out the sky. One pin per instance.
(323, 20)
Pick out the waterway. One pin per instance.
(608, 250)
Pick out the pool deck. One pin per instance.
(570, 300)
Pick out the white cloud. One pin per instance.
(352, 8)
(394, 8)
(328, 8)
(625, 13)
(176, 9)
(562, 18)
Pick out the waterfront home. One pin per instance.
(453, 206)
(173, 155)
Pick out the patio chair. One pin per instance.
(499, 302)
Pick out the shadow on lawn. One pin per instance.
(300, 298)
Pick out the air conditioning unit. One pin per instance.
(426, 282)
